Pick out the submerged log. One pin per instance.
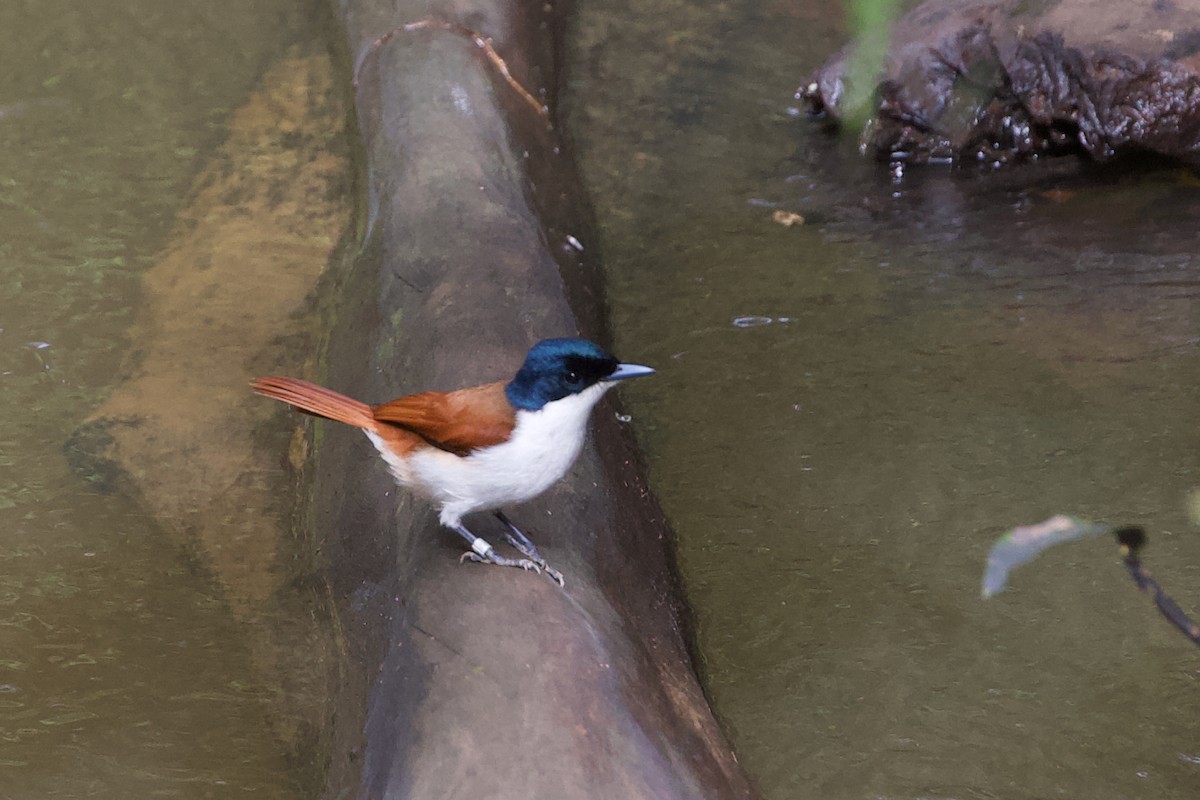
(1004, 81)
(223, 302)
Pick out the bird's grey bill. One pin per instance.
(624, 371)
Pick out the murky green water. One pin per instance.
(915, 368)
(928, 363)
(122, 671)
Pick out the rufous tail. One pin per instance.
(316, 400)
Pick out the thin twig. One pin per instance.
(1131, 540)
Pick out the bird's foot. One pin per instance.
(527, 549)
(490, 556)
(521, 544)
(483, 553)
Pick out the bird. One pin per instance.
(483, 447)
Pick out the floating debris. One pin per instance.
(756, 321)
(787, 218)
(751, 322)
(1022, 545)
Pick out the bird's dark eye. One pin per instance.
(572, 377)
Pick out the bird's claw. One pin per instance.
(538, 565)
(526, 548)
(554, 575)
(495, 558)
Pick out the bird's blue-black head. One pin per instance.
(558, 368)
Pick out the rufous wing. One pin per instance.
(459, 421)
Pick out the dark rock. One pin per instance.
(1009, 81)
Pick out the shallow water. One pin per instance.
(123, 672)
(850, 410)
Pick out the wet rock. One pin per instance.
(1011, 81)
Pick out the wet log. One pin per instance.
(1004, 81)
(466, 680)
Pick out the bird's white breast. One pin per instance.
(541, 449)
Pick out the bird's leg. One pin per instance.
(527, 548)
(483, 553)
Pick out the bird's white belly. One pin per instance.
(490, 478)
(541, 449)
